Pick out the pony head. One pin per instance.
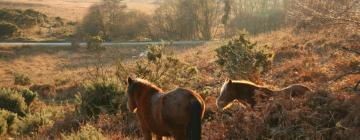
(137, 88)
(131, 91)
(226, 96)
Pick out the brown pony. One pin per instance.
(246, 91)
(177, 113)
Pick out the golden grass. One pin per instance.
(46, 65)
(73, 10)
(315, 65)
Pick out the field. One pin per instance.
(79, 92)
(73, 10)
(67, 68)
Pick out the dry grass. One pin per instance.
(73, 10)
(314, 59)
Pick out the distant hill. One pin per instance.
(72, 9)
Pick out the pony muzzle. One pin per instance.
(135, 110)
(222, 105)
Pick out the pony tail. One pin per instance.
(194, 127)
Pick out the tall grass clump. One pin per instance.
(9, 123)
(21, 79)
(241, 58)
(34, 121)
(86, 132)
(16, 101)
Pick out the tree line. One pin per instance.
(199, 19)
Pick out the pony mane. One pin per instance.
(148, 84)
(244, 82)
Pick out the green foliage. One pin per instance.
(13, 101)
(28, 95)
(9, 123)
(101, 97)
(206, 92)
(241, 58)
(7, 29)
(186, 19)
(164, 70)
(32, 122)
(87, 132)
(94, 43)
(22, 79)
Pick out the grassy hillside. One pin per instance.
(320, 60)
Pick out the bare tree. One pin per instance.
(327, 11)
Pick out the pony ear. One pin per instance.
(130, 80)
(230, 81)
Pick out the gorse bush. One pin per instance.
(21, 79)
(242, 58)
(13, 101)
(28, 95)
(94, 43)
(9, 123)
(7, 29)
(32, 122)
(164, 70)
(101, 97)
(16, 101)
(86, 132)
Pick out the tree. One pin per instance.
(186, 19)
(112, 21)
(93, 23)
(226, 16)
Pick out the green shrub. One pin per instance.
(9, 123)
(28, 95)
(241, 58)
(21, 79)
(94, 43)
(32, 122)
(86, 132)
(13, 101)
(101, 97)
(165, 71)
(7, 29)
(206, 92)
(3, 126)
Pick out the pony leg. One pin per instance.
(180, 135)
(158, 137)
(147, 134)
